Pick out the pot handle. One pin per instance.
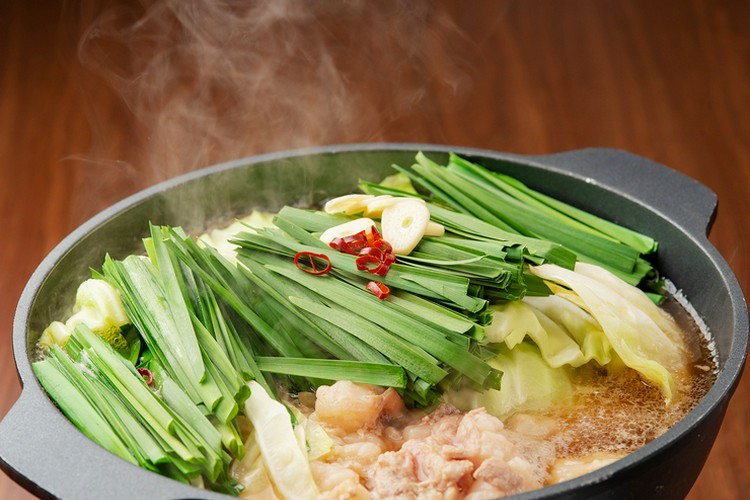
(675, 196)
(43, 452)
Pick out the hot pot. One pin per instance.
(42, 451)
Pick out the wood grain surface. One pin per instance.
(101, 99)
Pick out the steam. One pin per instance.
(208, 81)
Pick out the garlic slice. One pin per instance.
(434, 229)
(376, 206)
(346, 229)
(403, 225)
(349, 204)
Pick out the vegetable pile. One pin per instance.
(475, 282)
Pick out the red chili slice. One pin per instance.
(147, 375)
(381, 270)
(389, 258)
(315, 266)
(365, 262)
(372, 235)
(351, 244)
(382, 245)
(380, 290)
(374, 254)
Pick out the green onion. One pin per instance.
(69, 389)
(412, 331)
(557, 209)
(386, 375)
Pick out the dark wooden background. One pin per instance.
(100, 99)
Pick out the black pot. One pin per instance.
(46, 454)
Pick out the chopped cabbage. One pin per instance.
(578, 323)
(627, 321)
(316, 439)
(285, 461)
(635, 297)
(220, 238)
(98, 306)
(529, 382)
(399, 181)
(513, 321)
(251, 472)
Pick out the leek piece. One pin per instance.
(342, 345)
(166, 266)
(232, 296)
(444, 254)
(556, 208)
(125, 381)
(475, 195)
(147, 422)
(278, 291)
(435, 314)
(150, 309)
(428, 282)
(177, 400)
(469, 226)
(410, 356)
(123, 377)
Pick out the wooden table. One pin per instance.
(82, 127)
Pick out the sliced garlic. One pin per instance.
(376, 206)
(346, 229)
(434, 229)
(349, 204)
(403, 225)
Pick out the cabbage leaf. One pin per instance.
(529, 382)
(513, 321)
(632, 331)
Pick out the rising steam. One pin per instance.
(208, 81)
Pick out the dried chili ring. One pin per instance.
(369, 261)
(148, 377)
(350, 244)
(382, 245)
(372, 235)
(374, 254)
(313, 264)
(380, 290)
